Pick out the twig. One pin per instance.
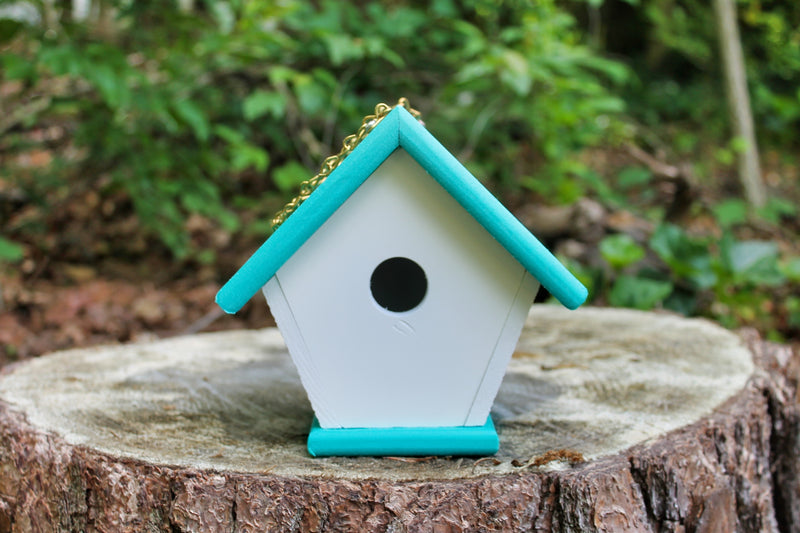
(204, 321)
(656, 167)
(426, 459)
(681, 187)
(494, 460)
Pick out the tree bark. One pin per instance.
(609, 420)
(739, 101)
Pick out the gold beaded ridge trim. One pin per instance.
(330, 163)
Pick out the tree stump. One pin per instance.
(609, 420)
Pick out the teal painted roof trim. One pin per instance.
(310, 215)
(490, 213)
(400, 129)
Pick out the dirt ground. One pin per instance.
(43, 315)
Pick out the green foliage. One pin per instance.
(639, 292)
(289, 176)
(734, 281)
(733, 212)
(10, 251)
(771, 35)
(180, 110)
(630, 177)
(231, 105)
(673, 45)
(620, 250)
(687, 258)
(729, 213)
(749, 262)
(777, 209)
(791, 269)
(261, 103)
(734, 264)
(793, 307)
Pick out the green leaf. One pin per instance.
(9, 29)
(738, 144)
(193, 201)
(633, 176)
(473, 71)
(793, 307)
(260, 103)
(620, 250)
(63, 59)
(743, 256)
(791, 269)
(638, 293)
(10, 251)
(280, 74)
(516, 73)
(109, 84)
(730, 212)
(776, 209)
(376, 47)
(311, 96)
(243, 154)
(289, 176)
(687, 258)
(229, 134)
(228, 220)
(444, 9)
(16, 67)
(617, 72)
(224, 15)
(246, 155)
(342, 48)
(752, 261)
(191, 114)
(683, 302)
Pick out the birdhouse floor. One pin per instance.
(422, 441)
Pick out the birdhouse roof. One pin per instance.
(399, 129)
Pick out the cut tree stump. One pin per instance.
(609, 420)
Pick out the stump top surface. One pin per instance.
(595, 381)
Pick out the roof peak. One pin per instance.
(399, 129)
(368, 123)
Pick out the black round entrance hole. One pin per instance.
(398, 284)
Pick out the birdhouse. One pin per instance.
(400, 285)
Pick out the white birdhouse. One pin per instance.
(400, 285)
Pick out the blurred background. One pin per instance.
(145, 146)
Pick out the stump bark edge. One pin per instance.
(735, 470)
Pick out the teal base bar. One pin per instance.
(404, 442)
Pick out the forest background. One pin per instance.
(146, 145)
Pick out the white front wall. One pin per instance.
(439, 364)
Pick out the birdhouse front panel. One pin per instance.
(401, 309)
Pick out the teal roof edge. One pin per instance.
(490, 213)
(400, 129)
(311, 214)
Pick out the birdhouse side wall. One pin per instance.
(503, 351)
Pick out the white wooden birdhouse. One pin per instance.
(400, 285)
